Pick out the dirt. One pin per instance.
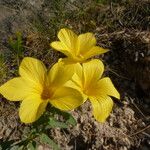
(117, 26)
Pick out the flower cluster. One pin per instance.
(68, 84)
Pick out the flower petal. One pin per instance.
(78, 77)
(102, 107)
(96, 50)
(68, 39)
(60, 73)
(79, 70)
(18, 89)
(86, 42)
(69, 60)
(106, 87)
(76, 86)
(33, 70)
(77, 80)
(31, 109)
(92, 70)
(66, 98)
(59, 46)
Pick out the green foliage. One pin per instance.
(37, 133)
(32, 145)
(68, 118)
(46, 140)
(16, 45)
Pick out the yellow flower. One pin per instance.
(87, 80)
(77, 48)
(36, 87)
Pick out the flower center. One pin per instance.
(89, 90)
(85, 91)
(46, 94)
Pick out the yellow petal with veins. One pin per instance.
(19, 88)
(59, 46)
(31, 109)
(85, 42)
(102, 107)
(60, 73)
(77, 80)
(96, 50)
(68, 38)
(33, 70)
(93, 71)
(106, 87)
(66, 98)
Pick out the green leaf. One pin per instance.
(69, 119)
(54, 123)
(46, 140)
(21, 148)
(16, 147)
(31, 146)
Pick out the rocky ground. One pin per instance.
(123, 27)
